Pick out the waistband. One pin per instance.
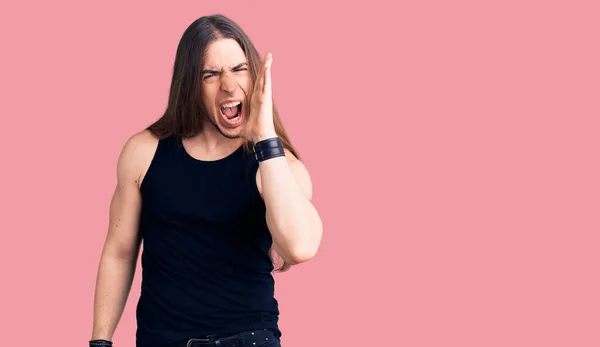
(247, 338)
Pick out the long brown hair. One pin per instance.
(185, 112)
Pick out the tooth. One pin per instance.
(231, 104)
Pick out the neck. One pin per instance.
(210, 143)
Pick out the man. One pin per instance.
(212, 188)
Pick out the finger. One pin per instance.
(260, 78)
(267, 80)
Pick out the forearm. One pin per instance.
(286, 189)
(293, 221)
(115, 276)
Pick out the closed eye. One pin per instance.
(240, 67)
(209, 74)
(206, 74)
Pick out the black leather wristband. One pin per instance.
(268, 149)
(100, 343)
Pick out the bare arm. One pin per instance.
(293, 221)
(119, 255)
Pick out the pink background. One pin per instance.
(453, 147)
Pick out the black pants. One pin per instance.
(257, 338)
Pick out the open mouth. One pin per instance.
(232, 112)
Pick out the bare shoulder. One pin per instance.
(136, 156)
(300, 173)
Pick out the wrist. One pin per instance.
(269, 148)
(264, 136)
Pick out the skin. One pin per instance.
(284, 182)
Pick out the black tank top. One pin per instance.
(205, 258)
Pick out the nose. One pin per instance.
(228, 83)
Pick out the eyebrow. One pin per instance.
(216, 71)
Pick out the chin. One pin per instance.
(227, 131)
(231, 134)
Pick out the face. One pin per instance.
(226, 82)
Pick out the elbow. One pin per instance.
(121, 253)
(301, 256)
(301, 243)
(305, 251)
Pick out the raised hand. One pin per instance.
(261, 124)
